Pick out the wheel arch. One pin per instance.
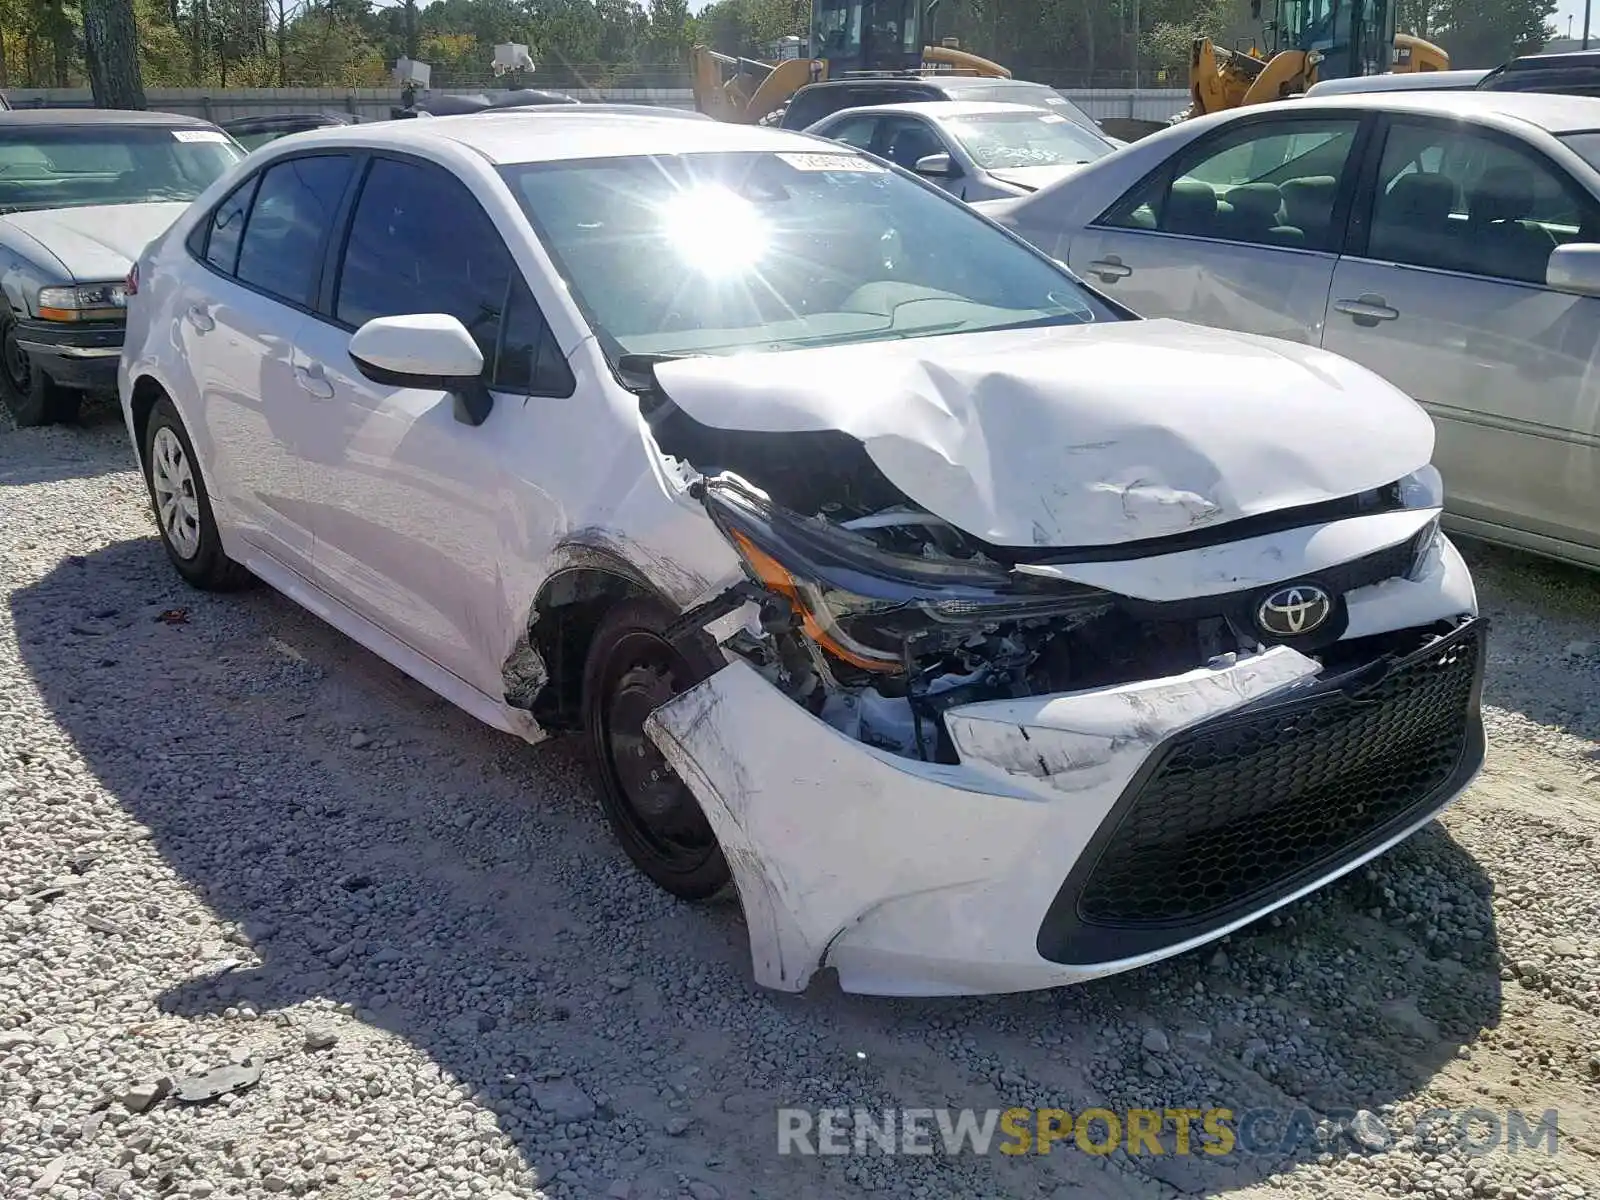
(544, 672)
(147, 391)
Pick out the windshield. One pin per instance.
(70, 166)
(254, 141)
(997, 141)
(721, 253)
(1016, 91)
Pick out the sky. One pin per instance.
(1574, 9)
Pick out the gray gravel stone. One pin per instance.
(193, 836)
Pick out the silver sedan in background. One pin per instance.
(974, 149)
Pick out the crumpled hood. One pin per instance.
(1082, 435)
(97, 242)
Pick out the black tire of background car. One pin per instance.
(210, 569)
(31, 395)
(632, 669)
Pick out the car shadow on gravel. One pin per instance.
(65, 452)
(372, 846)
(1544, 644)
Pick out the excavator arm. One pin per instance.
(743, 90)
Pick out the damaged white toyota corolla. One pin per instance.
(982, 636)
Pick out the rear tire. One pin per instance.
(182, 506)
(32, 396)
(631, 671)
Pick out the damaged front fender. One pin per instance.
(826, 836)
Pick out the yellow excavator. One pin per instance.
(1310, 40)
(847, 38)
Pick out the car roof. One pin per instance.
(1565, 59)
(943, 108)
(1547, 110)
(568, 132)
(602, 106)
(957, 82)
(1411, 81)
(275, 120)
(871, 81)
(97, 116)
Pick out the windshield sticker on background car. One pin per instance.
(199, 135)
(1052, 118)
(831, 162)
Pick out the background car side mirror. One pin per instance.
(936, 166)
(1575, 269)
(425, 350)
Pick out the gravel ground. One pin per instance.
(239, 843)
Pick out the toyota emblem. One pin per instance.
(1294, 611)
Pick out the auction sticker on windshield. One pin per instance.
(199, 135)
(831, 162)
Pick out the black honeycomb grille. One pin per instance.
(1240, 805)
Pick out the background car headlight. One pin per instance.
(83, 301)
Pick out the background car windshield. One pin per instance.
(1586, 146)
(66, 167)
(1016, 91)
(1001, 141)
(720, 253)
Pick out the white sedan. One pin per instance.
(975, 150)
(982, 636)
(1449, 240)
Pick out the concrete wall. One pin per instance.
(374, 103)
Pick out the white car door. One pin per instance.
(263, 253)
(414, 508)
(1240, 230)
(1444, 295)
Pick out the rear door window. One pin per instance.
(284, 239)
(854, 131)
(1271, 183)
(227, 227)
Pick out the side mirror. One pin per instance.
(425, 350)
(936, 166)
(1575, 269)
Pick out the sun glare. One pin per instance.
(715, 231)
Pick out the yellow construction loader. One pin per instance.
(1310, 40)
(847, 37)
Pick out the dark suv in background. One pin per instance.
(1574, 73)
(817, 100)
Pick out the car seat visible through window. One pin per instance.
(1503, 239)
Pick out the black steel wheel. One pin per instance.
(631, 671)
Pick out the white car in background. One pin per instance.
(983, 636)
(1448, 240)
(975, 150)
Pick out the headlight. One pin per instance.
(1422, 489)
(865, 605)
(83, 301)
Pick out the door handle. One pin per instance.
(315, 380)
(200, 317)
(1367, 309)
(1110, 269)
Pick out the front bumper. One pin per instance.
(76, 356)
(1080, 834)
